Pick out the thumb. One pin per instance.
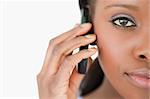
(76, 77)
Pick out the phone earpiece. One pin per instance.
(85, 15)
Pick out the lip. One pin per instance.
(139, 77)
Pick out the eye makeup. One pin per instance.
(123, 21)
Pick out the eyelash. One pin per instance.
(124, 19)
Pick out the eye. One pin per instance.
(123, 21)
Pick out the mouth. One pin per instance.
(139, 78)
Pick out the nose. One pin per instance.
(142, 51)
(144, 55)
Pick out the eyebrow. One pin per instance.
(128, 6)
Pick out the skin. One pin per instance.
(58, 78)
(119, 50)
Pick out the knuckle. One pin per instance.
(57, 50)
(41, 79)
(40, 76)
(53, 41)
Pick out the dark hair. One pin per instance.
(88, 4)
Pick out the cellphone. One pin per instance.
(82, 66)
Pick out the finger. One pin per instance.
(60, 51)
(78, 42)
(77, 33)
(70, 62)
(76, 77)
(78, 30)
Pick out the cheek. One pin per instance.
(112, 52)
(115, 47)
(113, 55)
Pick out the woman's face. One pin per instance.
(123, 37)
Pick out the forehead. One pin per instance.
(137, 3)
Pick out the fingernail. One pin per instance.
(84, 25)
(92, 49)
(90, 36)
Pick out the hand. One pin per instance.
(59, 78)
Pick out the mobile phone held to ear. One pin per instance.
(82, 66)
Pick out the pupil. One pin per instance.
(123, 22)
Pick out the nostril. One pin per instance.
(142, 56)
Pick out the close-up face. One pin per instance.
(123, 37)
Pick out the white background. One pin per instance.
(26, 26)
